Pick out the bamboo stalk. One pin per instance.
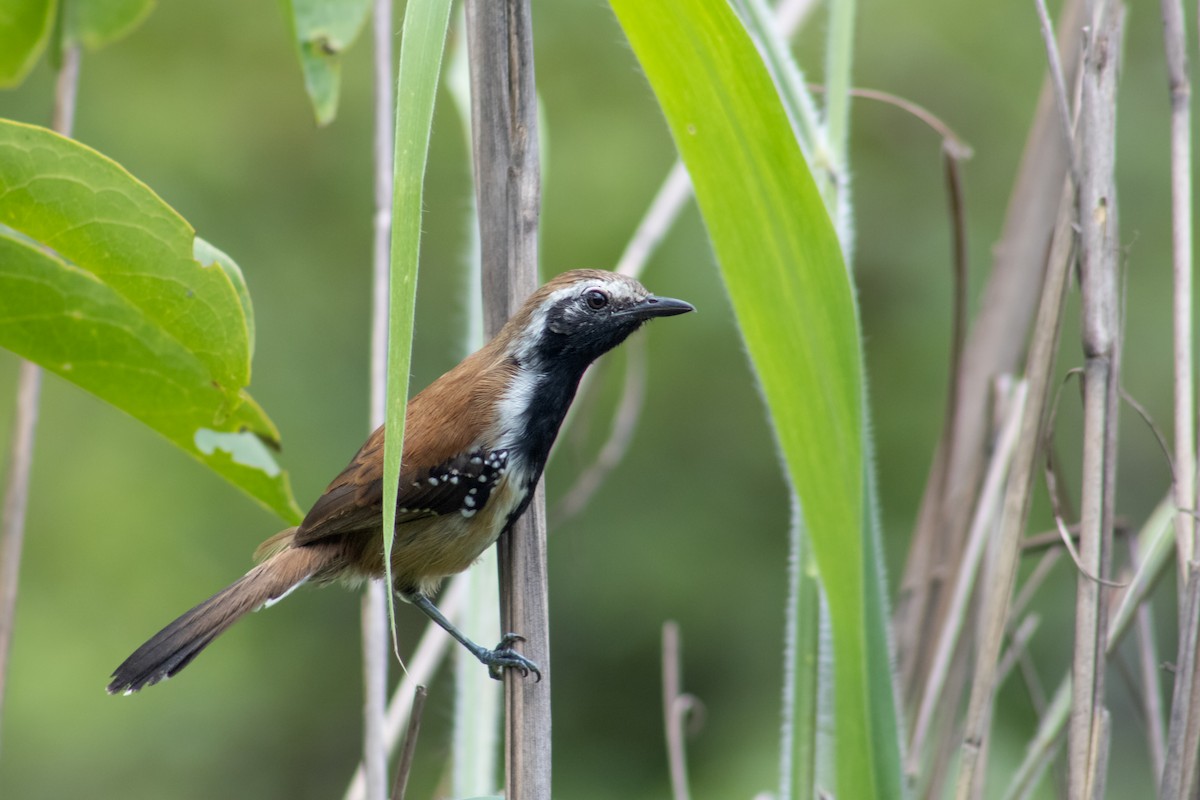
(507, 186)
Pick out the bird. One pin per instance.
(476, 442)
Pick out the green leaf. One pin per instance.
(792, 296)
(25, 27)
(104, 284)
(323, 30)
(96, 23)
(422, 43)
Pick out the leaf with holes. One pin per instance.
(323, 30)
(104, 284)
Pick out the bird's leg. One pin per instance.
(496, 660)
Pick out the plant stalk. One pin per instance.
(508, 195)
(29, 389)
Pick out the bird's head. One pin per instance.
(581, 315)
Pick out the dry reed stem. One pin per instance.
(1150, 689)
(1175, 43)
(1101, 347)
(1007, 544)
(374, 613)
(508, 197)
(1154, 544)
(1007, 305)
(409, 751)
(1183, 735)
(982, 524)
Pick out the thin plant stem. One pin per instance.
(675, 704)
(1175, 42)
(1101, 346)
(375, 625)
(1183, 735)
(29, 389)
(1154, 544)
(1006, 548)
(16, 504)
(983, 523)
(1059, 83)
(1151, 686)
(424, 663)
(409, 751)
(1008, 303)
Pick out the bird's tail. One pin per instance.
(174, 647)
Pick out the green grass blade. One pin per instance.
(783, 268)
(104, 284)
(422, 43)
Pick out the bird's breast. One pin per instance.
(426, 551)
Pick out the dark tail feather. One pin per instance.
(174, 647)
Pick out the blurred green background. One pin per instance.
(205, 104)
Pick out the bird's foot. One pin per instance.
(503, 657)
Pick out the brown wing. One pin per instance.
(442, 423)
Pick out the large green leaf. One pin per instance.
(25, 27)
(792, 295)
(104, 284)
(323, 30)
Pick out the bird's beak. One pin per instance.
(656, 307)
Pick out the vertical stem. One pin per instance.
(1101, 346)
(674, 710)
(1181, 268)
(1183, 735)
(29, 388)
(507, 185)
(836, 184)
(374, 601)
(16, 501)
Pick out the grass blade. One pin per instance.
(790, 290)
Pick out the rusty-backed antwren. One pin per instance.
(475, 443)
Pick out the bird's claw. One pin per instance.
(503, 657)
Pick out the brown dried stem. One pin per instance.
(409, 751)
(998, 590)
(1008, 304)
(1181, 269)
(508, 193)
(1099, 283)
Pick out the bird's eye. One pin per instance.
(595, 299)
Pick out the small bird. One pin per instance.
(475, 443)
